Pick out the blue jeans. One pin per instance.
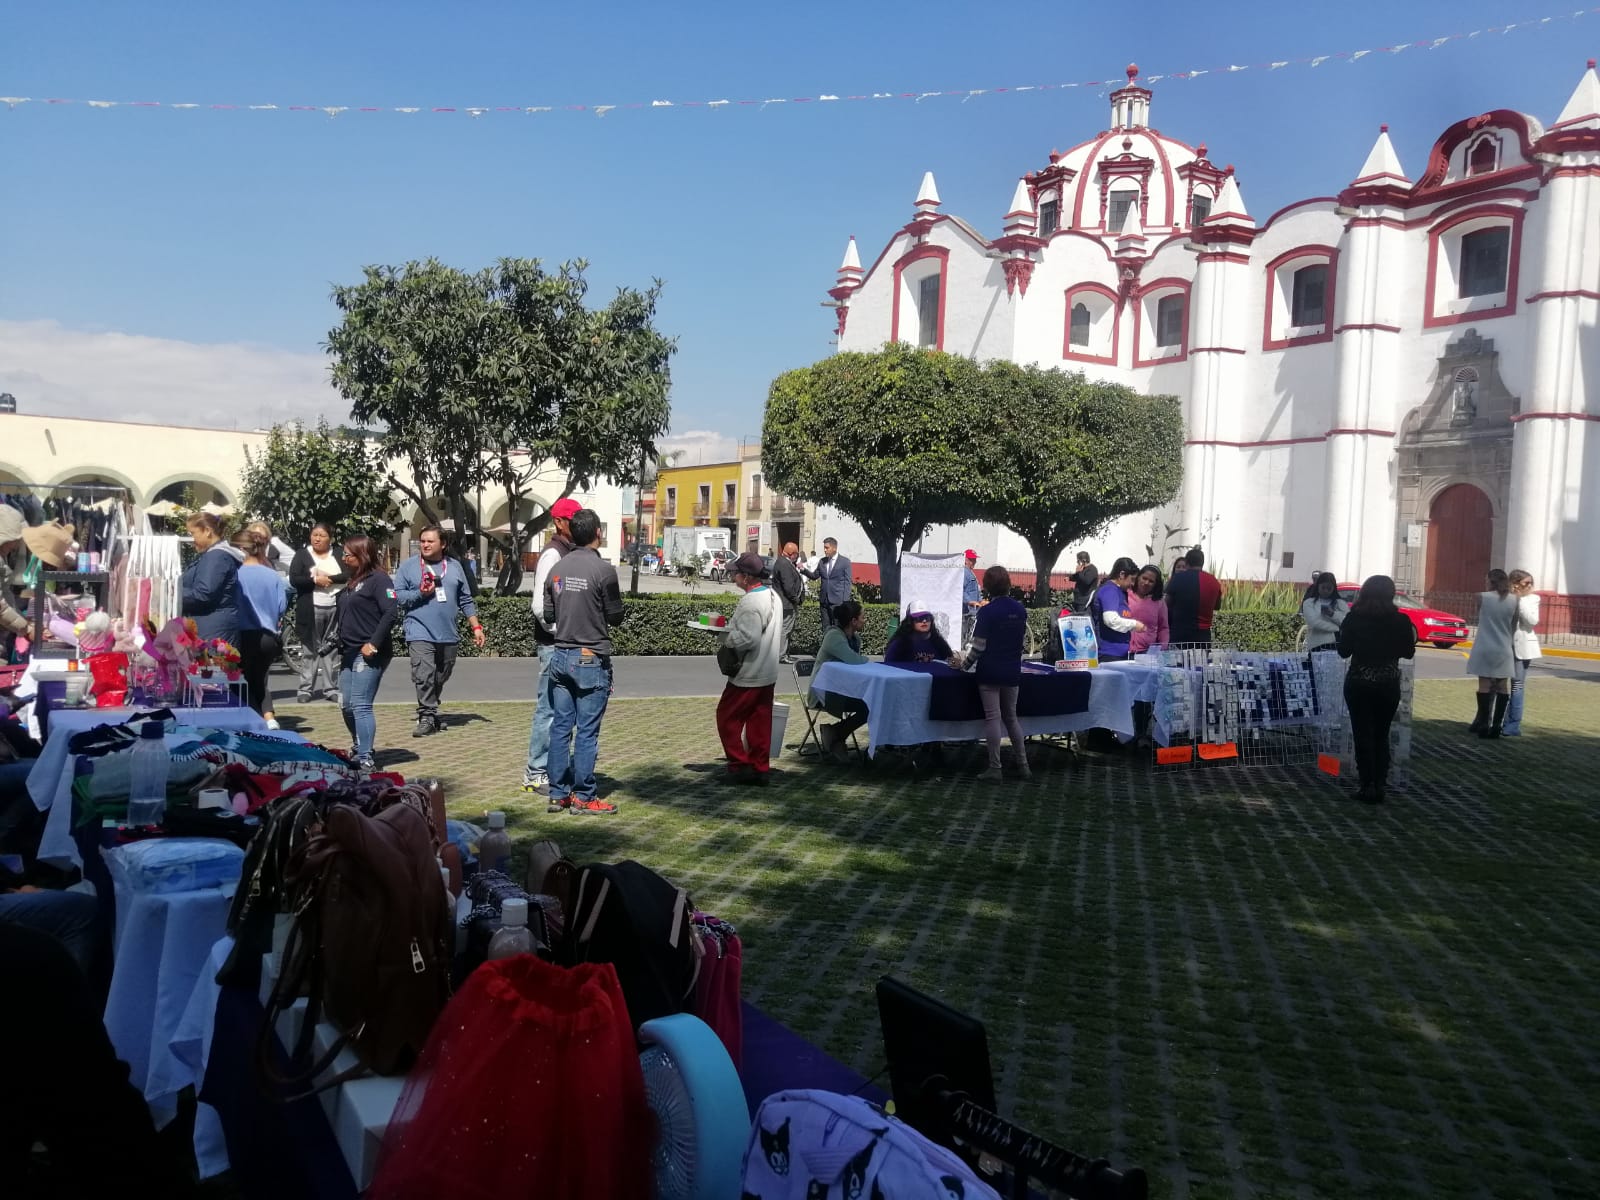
(358, 688)
(543, 713)
(68, 917)
(580, 687)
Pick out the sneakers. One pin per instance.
(992, 775)
(272, 723)
(535, 781)
(558, 804)
(594, 807)
(425, 726)
(332, 696)
(302, 698)
(366, 764)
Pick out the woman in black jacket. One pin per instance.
(367, 614)
(317, 577)
(1374, 637)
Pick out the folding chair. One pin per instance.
(802, 668)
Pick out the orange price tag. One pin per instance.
(1328, 764)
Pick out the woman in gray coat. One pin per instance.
(1492, 659)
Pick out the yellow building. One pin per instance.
(705, 495)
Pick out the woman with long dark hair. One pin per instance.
(1147, 605)
(918, 639)
(1493, 657)
(1324, 612)
(1374, 637)
(997, 644)
(1114, 624)
(367, 613)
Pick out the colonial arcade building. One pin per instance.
(1400, 378)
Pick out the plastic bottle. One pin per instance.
(494, 851)
(147, 776)
(513, 937)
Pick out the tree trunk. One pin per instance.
(1045, 554)
(888, 550)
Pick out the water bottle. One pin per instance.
(513, 937)
(494, 851)
(147, 776)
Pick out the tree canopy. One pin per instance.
(475, 380)
(901, 439)
(307, 475)
(885, 437)
(1065, 456)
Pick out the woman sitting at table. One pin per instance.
(1146, 605)
(840, 644)
(996, 662)
(1114, 623)
(917, 641)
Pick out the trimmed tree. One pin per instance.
(307, 475)
(1065, 456)
(884, 437)
(476, 380)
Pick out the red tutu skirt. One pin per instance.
(529, 1086)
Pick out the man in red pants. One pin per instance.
(755, 638)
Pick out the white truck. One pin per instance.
(685, 543)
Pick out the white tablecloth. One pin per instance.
(162, 947)
(897, 705)
(189, 1050)
(50, 781)
(1143, 678)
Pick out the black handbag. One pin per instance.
(728, 660)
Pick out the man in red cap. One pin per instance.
(971, 598)
(535, 776)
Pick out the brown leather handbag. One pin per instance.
(371, 943)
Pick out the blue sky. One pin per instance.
(216, 234)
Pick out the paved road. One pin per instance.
(487, 680)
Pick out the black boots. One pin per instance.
(1481, 721)
(1501, 700)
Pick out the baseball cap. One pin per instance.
(566, 508)
(972, 556)
(749, 563)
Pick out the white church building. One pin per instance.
(1401, 378)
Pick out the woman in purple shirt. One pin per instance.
(997, 643)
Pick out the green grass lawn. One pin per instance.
(1244, 981)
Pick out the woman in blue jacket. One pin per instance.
(211, 582)
(1114, 624)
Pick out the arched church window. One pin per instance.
(1049, 217)
(1199, 209)
(1309, 302)
(1080, 324)
(1484, 157)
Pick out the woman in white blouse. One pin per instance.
(1323, 612)
(1524, 647)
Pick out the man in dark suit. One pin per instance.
(833, 569)
(791, 589)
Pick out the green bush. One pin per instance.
(1256, 630)
(659, 625)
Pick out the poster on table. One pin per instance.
(934, 582)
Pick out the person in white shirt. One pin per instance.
(1323, 612)
(317, 577)
(535, 775)
(1524, 648)
(755, 641)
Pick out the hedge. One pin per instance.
(658, 625)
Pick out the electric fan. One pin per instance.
(695, 1093)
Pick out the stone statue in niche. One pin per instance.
(1464, 398)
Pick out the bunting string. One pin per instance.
(916, 97)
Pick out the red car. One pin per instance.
(1434, 625)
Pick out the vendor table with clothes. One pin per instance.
(916, 703)
(50, 781)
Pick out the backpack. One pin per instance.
(630, 917)
(552, 873)
(370, 946)
(812, 1143)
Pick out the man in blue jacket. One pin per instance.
(430, 590)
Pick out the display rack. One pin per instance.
(100, 580)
